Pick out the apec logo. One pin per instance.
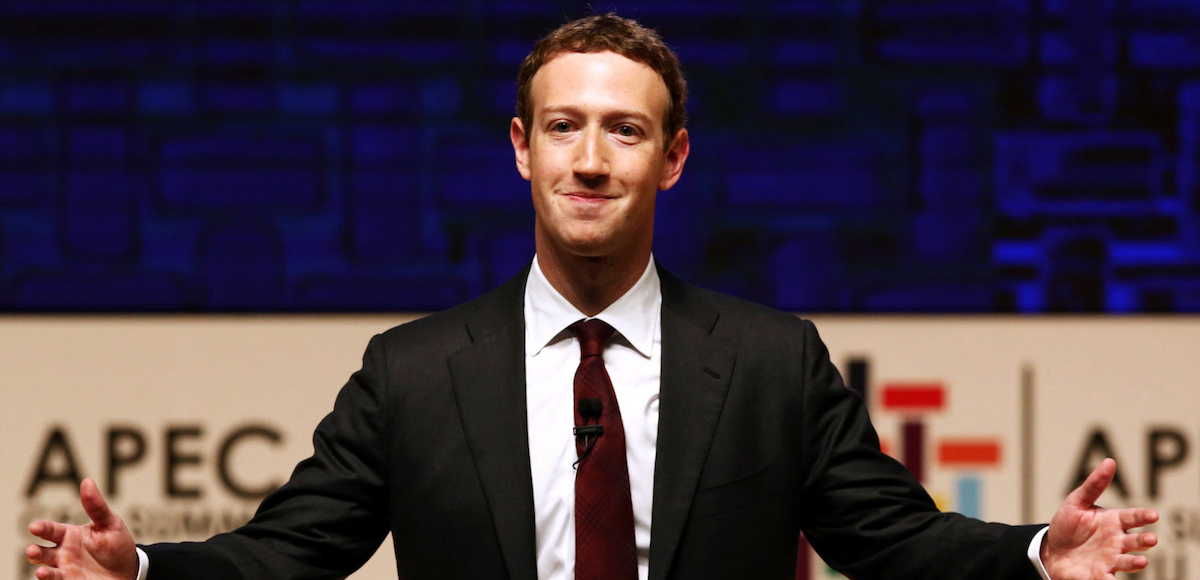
(182, 452)
(126, 448)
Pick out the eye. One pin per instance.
(562, 127)
(626, 131)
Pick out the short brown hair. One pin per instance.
(608, 32)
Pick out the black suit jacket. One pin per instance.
(758, 440)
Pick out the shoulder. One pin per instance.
(765, 332)
(452, 329)
(745, 311)
(732, 318)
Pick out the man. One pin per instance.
(733, 431)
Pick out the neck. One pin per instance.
(591, 284)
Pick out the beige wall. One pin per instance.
(204, 378)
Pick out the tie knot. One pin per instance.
(593, 335)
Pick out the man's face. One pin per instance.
(595, 154)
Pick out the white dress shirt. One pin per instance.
(633, 360)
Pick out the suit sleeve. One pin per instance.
(867, 516)
(327, 520)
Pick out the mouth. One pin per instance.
(588, 196)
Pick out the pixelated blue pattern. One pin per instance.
(847, 155)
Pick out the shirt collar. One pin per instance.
(634, 315)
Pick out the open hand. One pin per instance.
(1088, 542)
(101, 550)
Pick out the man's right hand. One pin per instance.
(101, 550)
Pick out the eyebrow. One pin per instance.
(617, 114)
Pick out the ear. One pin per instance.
(516, 132)
(675, 157)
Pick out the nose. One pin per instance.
(591, 157)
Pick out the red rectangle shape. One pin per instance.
(914, 396)
(969, 452)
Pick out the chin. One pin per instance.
(585, 242)
(590, 251)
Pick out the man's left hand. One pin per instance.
(1088, 542)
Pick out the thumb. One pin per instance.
(95, 506)
(1086, 495)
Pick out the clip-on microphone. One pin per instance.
(588, 409)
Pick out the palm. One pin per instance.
(1087, 542)
(91, 552)
(101, 550)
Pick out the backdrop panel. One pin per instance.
(187, 420)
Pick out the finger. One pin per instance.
(41, 555)
(1137, 517)
(95, 506)
(1138, 542)
(1129, 563)
(48, 530)
(1093, 487)
(48, 574)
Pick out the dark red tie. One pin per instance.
(604, 541)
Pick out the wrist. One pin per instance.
(1035, 551)
(143, 565)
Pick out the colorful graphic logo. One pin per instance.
(966, 457)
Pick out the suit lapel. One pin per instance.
(696, 369)
(489, 387)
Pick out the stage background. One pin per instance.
(847, 155)
(259, 157)
(998, 414)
